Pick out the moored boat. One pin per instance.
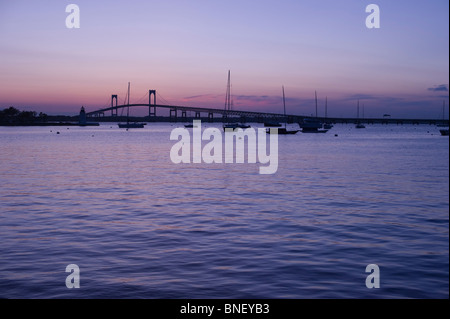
(131, 125)
(282, 130)
(311, 125)
(272, 124)
(128, 125)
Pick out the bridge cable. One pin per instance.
(164, 100)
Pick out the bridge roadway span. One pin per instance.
(258, 115)
(198, 110)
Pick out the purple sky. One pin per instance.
(184, 49)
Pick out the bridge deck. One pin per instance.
(264, 115)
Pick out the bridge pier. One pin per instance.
(197, 115)
(151, 107)
(210, 117)
(173, 114)
(113, 109)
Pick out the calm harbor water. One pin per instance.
(138, 226)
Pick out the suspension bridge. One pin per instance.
(179, 112)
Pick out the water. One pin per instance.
(138, 226)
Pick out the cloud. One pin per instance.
(378, 99)
(200, 97)
(264, 99)
(439, 88)
(361, 97)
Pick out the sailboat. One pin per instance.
(444, 132)
(327, 125)
(358, 124)
(282, 130)
(272, 124)
(312, 125)
(128, 124)
(443, 118)
(230, 126)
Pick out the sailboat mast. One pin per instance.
(229, 91)
(316, 101)
(128, 108)
(284, 107)
(128, 93)
(357, 111)
(228, 94)
(326, 107)
(443, 111)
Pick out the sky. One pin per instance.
(184, 49)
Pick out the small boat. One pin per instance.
(272, 124)
(128, 125)
(312, 125)
(231, 126)
(327, 125)
(282, 130)
(131, 125)
(443, 124)
(444, 132)
(359, 124)
(190, 126)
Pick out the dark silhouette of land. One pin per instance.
(14, 117)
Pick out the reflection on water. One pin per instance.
(139, 226)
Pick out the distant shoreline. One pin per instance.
(73, 121)
(14, 117)
(49, 124)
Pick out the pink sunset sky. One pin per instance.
(184, 49)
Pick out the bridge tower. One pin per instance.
(151, 107)
(113, 110)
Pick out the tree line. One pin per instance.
(13, 115)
